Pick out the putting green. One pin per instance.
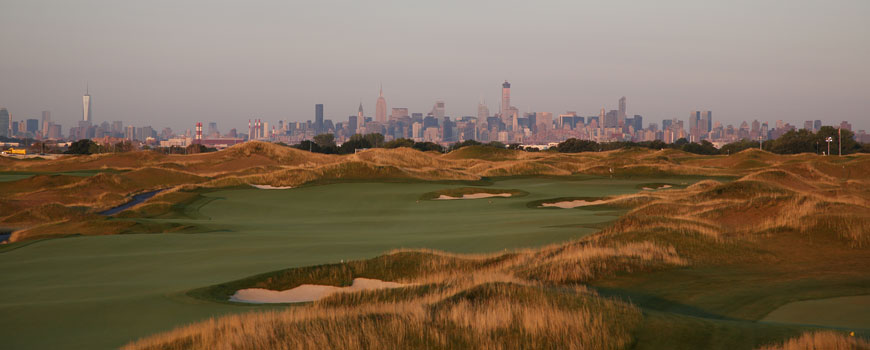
(102, 291)
(843, 312)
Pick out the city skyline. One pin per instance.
(668, 57)
(620, 113)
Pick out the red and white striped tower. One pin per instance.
(198, 139)
(250, 135)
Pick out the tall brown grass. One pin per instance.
(824, 340)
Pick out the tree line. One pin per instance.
(792, 142)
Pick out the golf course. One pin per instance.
(486, 248)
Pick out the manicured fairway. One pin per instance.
(103, 291)
(844, 312)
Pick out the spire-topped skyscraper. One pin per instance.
(86, 105)
(381, 108)
(360, 119)
(505, 102)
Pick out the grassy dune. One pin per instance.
(685, 268)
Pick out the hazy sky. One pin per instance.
(172, 63)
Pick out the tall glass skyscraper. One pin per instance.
(86, 106)
(318, 118)
(505, 101)
(4, 122)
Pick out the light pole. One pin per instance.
(829, 140)
(840, 141)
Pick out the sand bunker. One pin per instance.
(657, 188)
(572, 204)
(270, 187)
(475, 196)
(307, 292)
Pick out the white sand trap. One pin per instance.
(663, 187)
(270, 187)
(475, 196)
(307, 292)
(572, 204)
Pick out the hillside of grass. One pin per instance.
(687, 268)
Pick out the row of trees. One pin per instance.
(325, 143)
(792, 142)
(87, 146)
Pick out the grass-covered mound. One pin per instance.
(462, 191)
(468, 315)
(402, 266)
(485, 153)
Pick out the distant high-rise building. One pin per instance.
(708, 121)
(694, 119)
(54, 131)
(5, 122)
(808, 125)
(360, 119)
(637, 122)
(817, 125)
(213, 131)
(318, 118)
(117, 127)
(620, 121)
(86, 106)
(381, 108)
(505, 102)
(611, 119)
(398, 113)
(438, 110)
(846, 125)
(544, 120)
(46, 120)
(482, 111)
(32, 126)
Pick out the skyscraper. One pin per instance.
(46, 120)
(505, 102)
(611, 119)
(620, 121)
(381, 108)
(438, 110)
(360, 119)
(708, 121)
(318, 118)
(482, 111)
(4, 122)
(86, 106)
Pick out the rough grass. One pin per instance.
(494, 315)
(828, 340)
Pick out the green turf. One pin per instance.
(843, 312)
(97, 292)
